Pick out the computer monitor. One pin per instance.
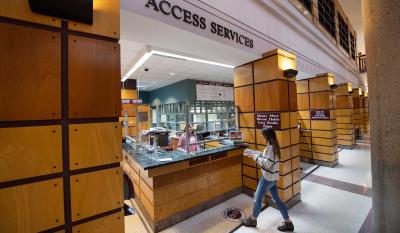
(162, 139)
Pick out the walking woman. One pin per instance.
(269, 163)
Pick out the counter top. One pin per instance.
(152, 160)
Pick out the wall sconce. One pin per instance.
(290, 73)
(333, 86)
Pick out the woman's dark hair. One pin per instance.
(191, 125)
(270, 135)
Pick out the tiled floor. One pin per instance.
(334, 200)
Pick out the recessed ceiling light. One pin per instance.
(172, 74)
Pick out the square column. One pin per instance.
(317, 114)
(266, 98)
(344, 116)
(358, 111)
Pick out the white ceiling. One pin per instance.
(129, 50)
(164, 71)
(137, 32)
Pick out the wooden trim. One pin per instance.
(29, 24)
(93, 120)
(14, 124)
(65, 126)
(93, 36)
(12, 183)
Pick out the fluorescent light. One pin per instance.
(142, 86)
(138, 64)
(147, 55)
(190, 59)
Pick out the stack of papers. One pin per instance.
(249, 152)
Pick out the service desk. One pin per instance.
(173, 186)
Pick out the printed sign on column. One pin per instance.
(268, 120)
(321, 114)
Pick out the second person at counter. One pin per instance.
(192, 139)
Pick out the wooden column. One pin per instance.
(129, 92)
(344, 116)
(365, 115)
(317, 114)
(60, 140)
(358, 112)
(262, 90)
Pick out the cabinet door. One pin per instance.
(30, 74)
(93, 78)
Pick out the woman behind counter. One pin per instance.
(192, 139)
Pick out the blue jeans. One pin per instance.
(263, 187)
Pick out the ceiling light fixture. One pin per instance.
(147, 55)
(138, 64)
(165, 54)
(172, 74)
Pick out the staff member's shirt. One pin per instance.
(182, 143)
(269, 163)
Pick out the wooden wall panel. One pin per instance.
(31, 67)
(128, 94)
(321, 100)
(107, 224)
(29, 151)
(293, 96)
(94, 78)
(19, 9)
(302, 86)
(294, 120)
(250, 171)
(303, 101)
(96, 192)
(243, 75)
(249, 161)
(267, 69)
(222, 175)
(322, 83)
(224, 187)
(174, 192)
(169, 209)
(343, 89)
(94, 144)
(250, 183)
(32, 207)
(106, 19)
(244, 99)
(248, 135)
(246, 119)
(344, 102)
(272, 96)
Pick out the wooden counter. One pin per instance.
(170, 193)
